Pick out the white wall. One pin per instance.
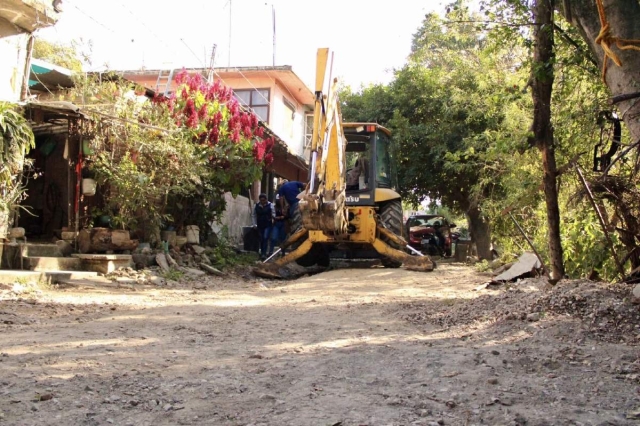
(236, 215)
(277, 119)
(13, 52)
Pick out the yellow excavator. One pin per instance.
(350, 208)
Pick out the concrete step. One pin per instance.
(53, 263)
(98, 281)
(8, 276)
(60, 276)
(41, 250)
(104, 263)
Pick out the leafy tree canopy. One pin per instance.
(63, 55)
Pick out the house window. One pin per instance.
(289, 116)
(255, 99)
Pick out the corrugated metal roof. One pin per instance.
(45, 76)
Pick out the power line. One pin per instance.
(193, 53)
(137, 18)
(91, 17)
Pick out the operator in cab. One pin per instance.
(358, 171)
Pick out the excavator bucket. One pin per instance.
(273, 270)
(420, 262)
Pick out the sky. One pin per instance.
(368, 38)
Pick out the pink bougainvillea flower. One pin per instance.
(258, 151)
(219, 121)
(235, 136)
(269, 142)
(268, 159)
(181, 77)
(202, 113)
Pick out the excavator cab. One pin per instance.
(369, 164)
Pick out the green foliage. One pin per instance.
(585, 245)
(456, 98)
(224, 256)
(173, 275)
(137, 166)
(483, 266)
(157, 160)
(16, 140)
(460, 113)
(63, 55)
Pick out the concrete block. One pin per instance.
(10, 277)
(53, 263)
(41, 250)
(104, 263)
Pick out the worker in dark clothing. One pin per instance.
(263, 215)
(289, 191)
(437, 226)
(278, 233)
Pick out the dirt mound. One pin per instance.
(604, 308)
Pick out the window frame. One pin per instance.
(308, 130)
(251, 105)
(289, 106)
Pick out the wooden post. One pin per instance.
(27, 68)
(544, 267)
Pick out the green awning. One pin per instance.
(45, 76)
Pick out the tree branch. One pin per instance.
(502, 23)
(575, 44)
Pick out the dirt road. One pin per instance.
(345, 347)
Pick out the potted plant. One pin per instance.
(16, 140)
(101, 217)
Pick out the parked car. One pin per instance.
(431, 234)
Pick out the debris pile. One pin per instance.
(527, 265)
(160, 267)
(188, 260)
(606, 309)
(131, 276)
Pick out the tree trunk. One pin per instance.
(623, 17)
(542, 86)
(480, 232)
(629, 232)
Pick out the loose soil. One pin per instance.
(344, 347)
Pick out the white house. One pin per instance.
(18, 20)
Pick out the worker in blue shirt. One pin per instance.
(289, 192)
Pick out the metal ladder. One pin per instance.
(163, 84)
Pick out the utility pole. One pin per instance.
(229, 65)
(211, 63)
(273, 19)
